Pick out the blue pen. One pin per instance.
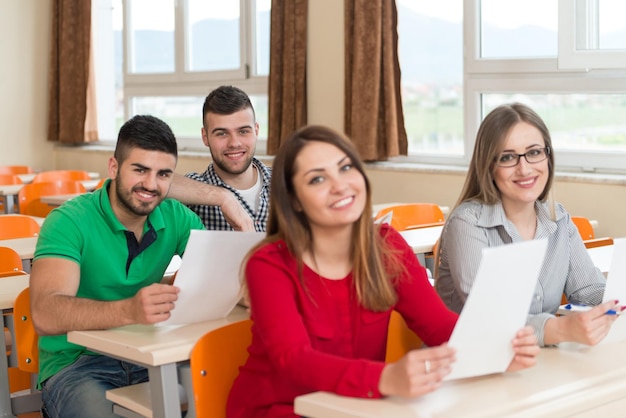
(584, 308)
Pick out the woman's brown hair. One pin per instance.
(374, 265)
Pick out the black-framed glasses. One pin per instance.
(533, 156)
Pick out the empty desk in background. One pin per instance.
(10, 192)
(28, 178)
(10, 287)
(569, 381)
(157, 348)
(59, 199)
(25, 247)
(422, 240)
(602, 256)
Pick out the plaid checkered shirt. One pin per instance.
(213, 217)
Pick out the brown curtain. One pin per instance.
(373, 102)
(287, 79)
(68, 77)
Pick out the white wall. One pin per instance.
(24, 48)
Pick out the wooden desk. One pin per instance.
(422, 240)
(572, 380)
(602, 256)
(157, 348)
(10, 287)
(25, 247)
(28, 178)
(10, 192)
(58, 199)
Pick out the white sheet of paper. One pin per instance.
(616, 278)
(496, 308)
(208, 277)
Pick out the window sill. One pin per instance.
(565, 176)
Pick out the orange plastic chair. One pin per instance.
(214, 364)
(413, 215)
(400, 339)
(585, 229)
(18, 226)
(26, 346)
(15, 169)
(9, 179)
(30, 196)
(61, 175)
(10, 261)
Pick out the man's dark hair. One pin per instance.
(226, 100)
(145, 132)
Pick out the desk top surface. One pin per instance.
(151, 345)
(422, 240)
(566, 381)
(25, 247)
(58, 199)
(10, 287)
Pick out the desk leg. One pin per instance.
(5, 395)
(164, 391)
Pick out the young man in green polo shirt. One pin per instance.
(98, 264)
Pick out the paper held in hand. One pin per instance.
(496, 308)
(208, 277)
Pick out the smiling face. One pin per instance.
(328, 188)
(232, 141)
(142, 181)
(522, 184)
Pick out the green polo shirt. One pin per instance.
(86, 231)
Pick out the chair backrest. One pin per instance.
(413, 215)
(400, 339)
(585, 229)
(214, 364)
(9, 179)
(15, 169)
(64, 175)
(30, 195)
(18, 226)
(26, 338)
(10, 261)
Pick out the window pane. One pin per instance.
(152, 36)
(184, 113)
(262, 37)
(612, 25)
(213, 35)
(518, 29)
(575, 121)
(431, 58)
(259, 102)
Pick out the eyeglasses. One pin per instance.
(533, 156)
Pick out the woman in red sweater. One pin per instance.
(322, 286)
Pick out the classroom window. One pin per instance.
(164, 56)
(566, 59)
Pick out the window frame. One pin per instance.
(193, 83)
(533, 75)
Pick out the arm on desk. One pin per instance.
(192, 192)
(583, 327)
(56, 309)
